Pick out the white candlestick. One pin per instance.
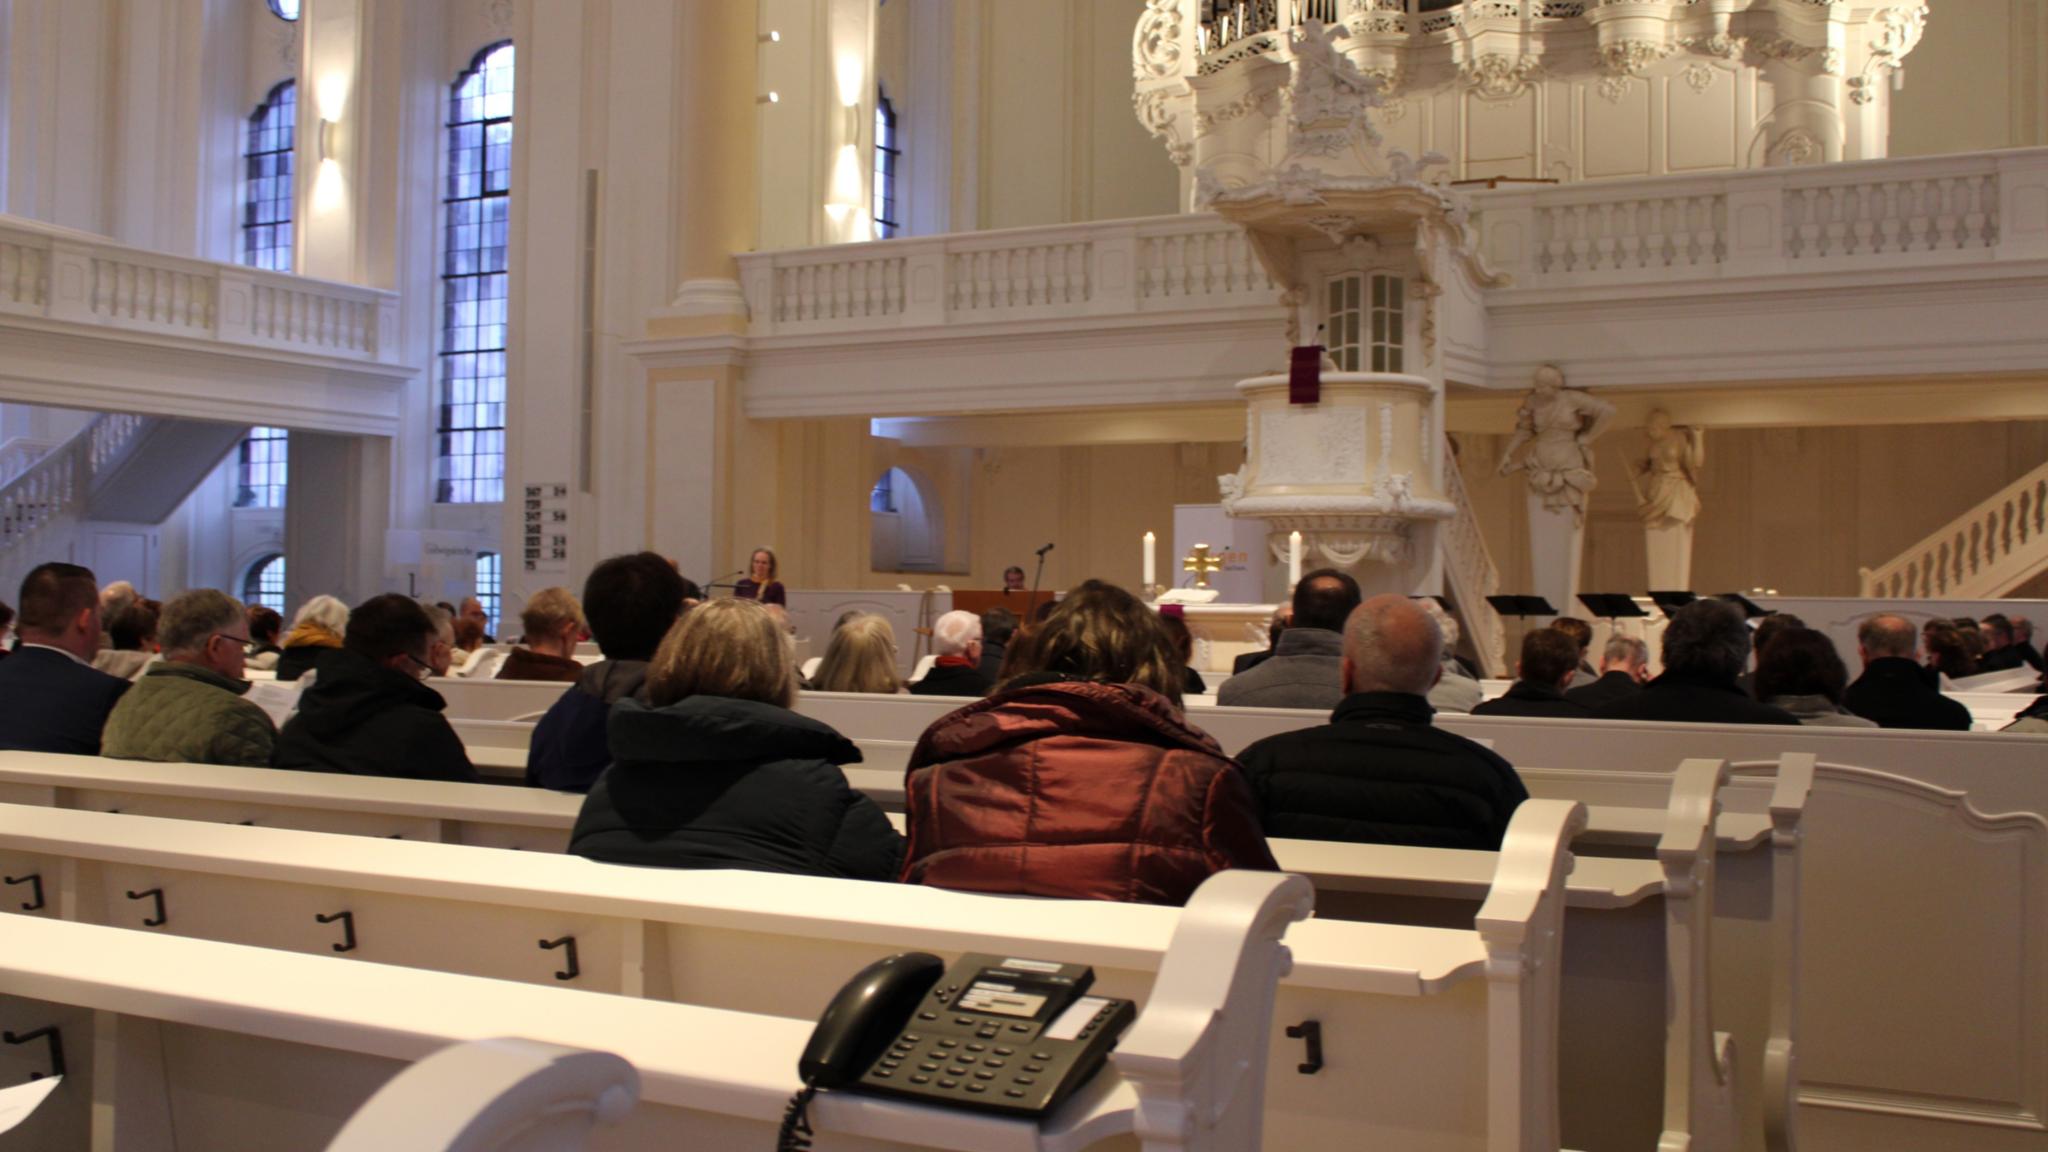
(1151, 561)
(1293, 560)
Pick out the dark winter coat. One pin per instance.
(1894, 692)
(1380, 773)
(945, 679)
(1611, 686)
(1691, 698)
(713, 782)
(364, 719)
(1525, 699)
(570, 746)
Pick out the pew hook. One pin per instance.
(35, 882)
(348, 929)
(156, 894)
(569, 942)
(1310, 1031)
(47, 1032)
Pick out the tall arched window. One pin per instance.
(260, 473)
(267, 181)
(489, 586)
(477, 201)
(264, 583)
(887, 154)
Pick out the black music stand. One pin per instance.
(1671, 602)
(1611, 606)
(1750, 609)
(1521, 605)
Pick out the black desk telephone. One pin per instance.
(1001, 1034)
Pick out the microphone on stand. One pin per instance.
(1032, 604)
(726, 581)
(1042, 551)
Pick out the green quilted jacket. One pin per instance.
(182, 712)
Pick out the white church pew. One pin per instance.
(179, 1043)
(1614, 897)
(759, 942)
(498, 1095)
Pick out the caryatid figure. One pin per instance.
(1559, 425)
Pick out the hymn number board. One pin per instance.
(547, 527)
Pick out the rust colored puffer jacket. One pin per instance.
(1078, 790)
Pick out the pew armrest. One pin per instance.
(486, 1095)
(1196, 1055)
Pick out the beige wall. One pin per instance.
(1978, 80)
(998, 504)
(1796, 509)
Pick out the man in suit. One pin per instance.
(1550, 657)
(51, 698)
(1893, 690)
(1624, 666)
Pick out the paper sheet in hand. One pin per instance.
(20, 1102)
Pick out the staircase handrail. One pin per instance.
(1473, 574)
(19, 453)
(1986, 552)
(59, 482)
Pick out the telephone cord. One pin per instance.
(795, 1134)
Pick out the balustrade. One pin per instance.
(68, 276)
(1986, 552)
(1925, 214)
(1469, 566)
(57, 484)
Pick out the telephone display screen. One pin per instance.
(1002, 999)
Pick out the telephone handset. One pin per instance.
(1002, 1034)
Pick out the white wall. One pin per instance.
(1978, 80)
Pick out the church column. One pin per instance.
(335, 520)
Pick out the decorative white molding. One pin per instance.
(708, 298)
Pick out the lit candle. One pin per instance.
(1293, 560)
(1151, 560)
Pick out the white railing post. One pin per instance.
(71, 283)
(925, 283)
(1507, 229)
(2023, 204)
(1113, 270)
(1756, 228)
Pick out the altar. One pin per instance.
(1223, 632)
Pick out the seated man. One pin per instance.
(1706, 647)
(1893, 689)
(1282, 617)
(2000, 653)
(1581, 634)
(631, 601)
(1550, 659)
(956, 640)
(473, 617)
(1306, 668)
(2023, 643)
(367, 714)
(554, 626)
(51, 698)
(189, 707)
(998, 625)
(1624, 665)
(1378, 772)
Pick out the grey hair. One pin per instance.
(325, 611)
(1625, 650)
(1707, 636)
(954, 632)
(193, 617)
(444, 620)
(1446, 624)
(1394, 645)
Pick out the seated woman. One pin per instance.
(316, 631)
(264, 626)
(715, 771)
(1182, 642)
(1080, 778)
(760, 582)
(861, 657)
(1799, 670)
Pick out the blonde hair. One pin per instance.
(1100, 632)
(548, 609)
(730, 648)
(860, 658)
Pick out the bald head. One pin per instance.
(1887, 635)
(1392, 645)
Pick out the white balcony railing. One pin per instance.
(1156, 264)
(1869, 215)
(1982, 554)
(57, 274)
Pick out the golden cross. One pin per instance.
(1201, 564)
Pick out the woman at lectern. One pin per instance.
(760, 582)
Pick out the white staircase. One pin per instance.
(1983, 554)
(47, 499)
(1471, 576)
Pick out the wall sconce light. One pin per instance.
(771, 37)
(770, 98)
(327, 149)
(853, 123)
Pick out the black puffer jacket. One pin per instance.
(712, 782)
(367, 720)
(1379, 773)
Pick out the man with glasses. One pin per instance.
(190, 706)
(368, 714)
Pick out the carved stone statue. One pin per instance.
(1559, 425)
(1668, 491)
